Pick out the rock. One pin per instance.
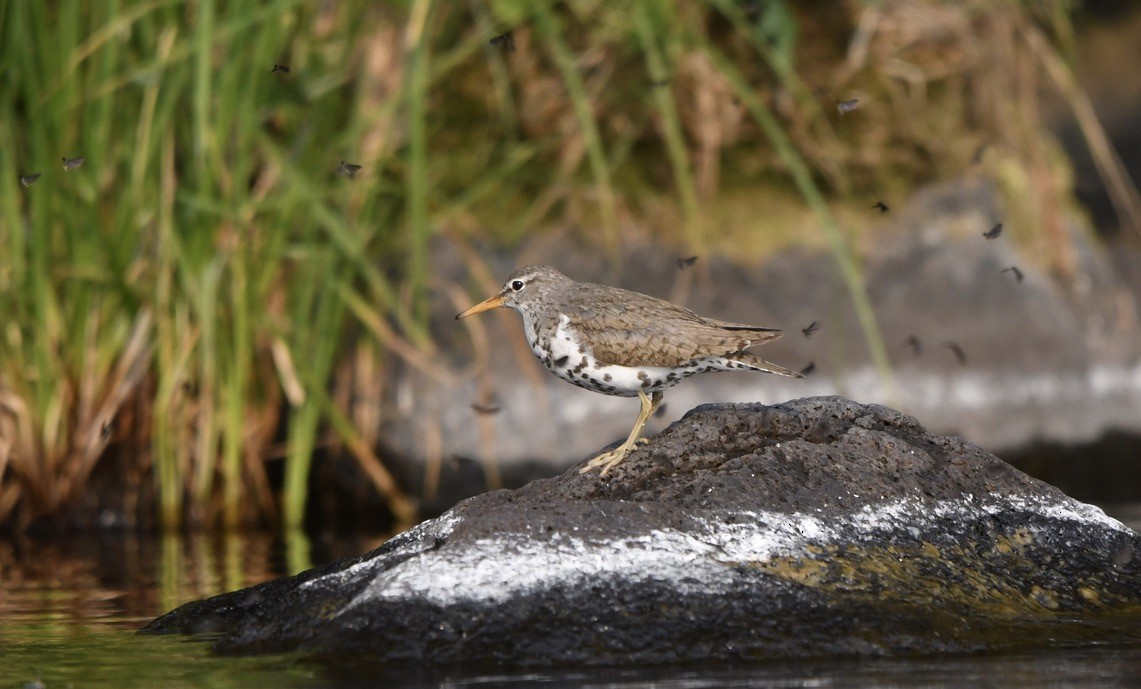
(818, 526)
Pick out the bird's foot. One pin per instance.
(608, 460)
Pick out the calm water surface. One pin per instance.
(69, 609)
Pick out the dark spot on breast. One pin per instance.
(642, 375)
(582, 349)
(561, 361)
(607, 377)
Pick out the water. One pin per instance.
(69, 609)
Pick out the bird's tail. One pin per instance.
(755, 334)
(756, 363)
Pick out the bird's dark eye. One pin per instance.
(517, 285)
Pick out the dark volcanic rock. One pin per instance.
(813, 527)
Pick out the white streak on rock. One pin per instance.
(438, 528)
(496, 570)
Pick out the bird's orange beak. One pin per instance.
(485, 305)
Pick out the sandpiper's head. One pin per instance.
(523, 287)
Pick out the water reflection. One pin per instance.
(1087, 668)
(122, 580)
(70, 606)
(78, 657)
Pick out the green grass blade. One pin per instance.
(843, 256)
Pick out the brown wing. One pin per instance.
(634, 329)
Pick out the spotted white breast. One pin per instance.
(565, 355)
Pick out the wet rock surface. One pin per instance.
(814, 527)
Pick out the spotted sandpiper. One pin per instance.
(623, 343)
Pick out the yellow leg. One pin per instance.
(609, 460)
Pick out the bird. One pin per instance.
(993, 232)
(622, 343)
(348, 169)
(284, 69)
(883, 207)
(28, 180)
(504, 40)
(485, 409)
(915, 345)
(70, 164)
(847, 106)
(960, 355)
(1018, 276)
(811, 330)
(683, 263)
(979, 152)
